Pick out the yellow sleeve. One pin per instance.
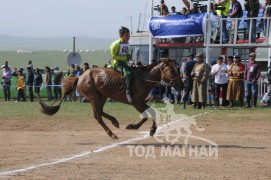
(114, 50)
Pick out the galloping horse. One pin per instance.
(98, 84)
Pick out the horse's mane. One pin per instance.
(148, 67)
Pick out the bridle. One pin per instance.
(171, 83)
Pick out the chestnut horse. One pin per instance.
(98, 84)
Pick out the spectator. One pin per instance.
(236, 12)
(173, 11)
(31, 65)
(266, 14)
(200, 74)
(86, 66)
(212, 84)
(184, 11)
(139, 64)
(57, 83)
(236, 82)
(6, 81)
(188, 67)
(222, 8)
(6, 64)
(252, 7)
(72, 71)
(195, 9)
(219, 70)
(252, 74)
(78, 71)
(20, 87)
(229, 61)
(95, 66)
(268, 93)
(30, 83)
(163, 9)
(37, 80)
(48, 82)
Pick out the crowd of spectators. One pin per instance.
(227, 76)
(227, 10)
(228, 80)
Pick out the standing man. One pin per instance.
(219, 70)
(121, 55)
(200, 74)
(163, 8)
(48, 82)
(30, 83)
(252, 74)
(188, 67)
(37, 80)
(57, 82)
(222, 8)
(6, 80)
(236, 81)
(236, 12)
(252, 7)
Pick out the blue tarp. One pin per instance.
(177, 26)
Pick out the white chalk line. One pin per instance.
(76, 156)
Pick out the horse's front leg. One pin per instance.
(140, 107)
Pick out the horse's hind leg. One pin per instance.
(107, 116)
(97, 108)
(112, 119)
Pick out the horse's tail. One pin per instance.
(69, 85)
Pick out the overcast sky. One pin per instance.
(92, 18)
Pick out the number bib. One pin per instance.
(123, 48)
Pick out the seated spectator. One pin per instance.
(6, 81)
(20, 87)
(37, 80)
(184, 11)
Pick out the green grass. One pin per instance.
(81, 111)
(51, 58)
(47, 58)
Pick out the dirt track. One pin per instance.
(244, 151)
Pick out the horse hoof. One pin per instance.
(130, 126)
(152, 132)
(116, 124)
(114, 137)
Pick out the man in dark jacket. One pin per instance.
(37, 80)
(188, 81)
(57, 82)
(252, 74)
(30, 83)
(48, 82)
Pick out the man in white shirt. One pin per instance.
(219, 70)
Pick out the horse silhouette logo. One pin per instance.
(168, 122)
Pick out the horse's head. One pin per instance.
(170, 74)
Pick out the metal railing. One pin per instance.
(234, 34)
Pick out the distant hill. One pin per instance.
(8, 43)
